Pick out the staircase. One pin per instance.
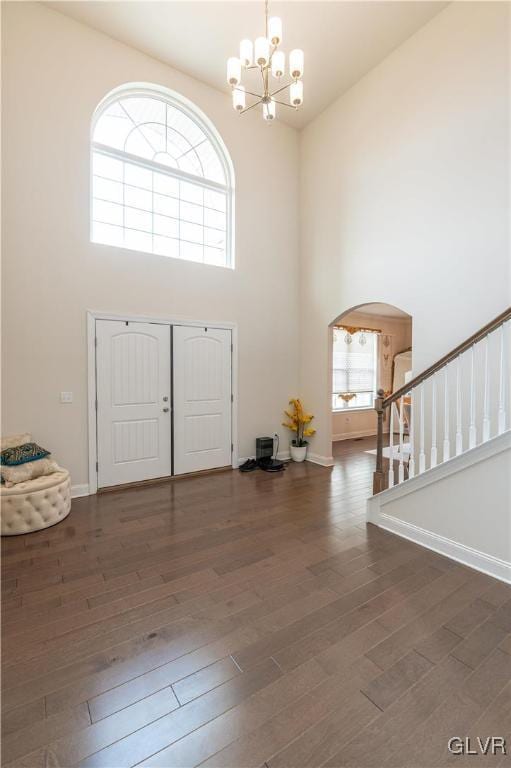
(449, 486)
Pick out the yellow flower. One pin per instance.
(297, 419)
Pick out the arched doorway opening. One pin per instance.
(370, 349)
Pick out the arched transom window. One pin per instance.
(161, 179)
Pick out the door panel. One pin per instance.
(135, 360)
(133, 391)
(135, 440)
(202, 398)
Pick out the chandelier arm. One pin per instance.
(282, 88)
(284, 103)
(250, 106)
(251, 93)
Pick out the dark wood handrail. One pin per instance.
(452, 355)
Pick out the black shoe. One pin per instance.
(248, 466)
(271, 465)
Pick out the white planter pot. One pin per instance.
(298, 454)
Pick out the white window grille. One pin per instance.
(162, 180)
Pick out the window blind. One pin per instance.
(354, 368)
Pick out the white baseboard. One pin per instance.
(352, 435)
(493, 566)
(324, 461)
(80, 490)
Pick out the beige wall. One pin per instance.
(347, 424)
(404, 199)
(55, 71)
(405, 194)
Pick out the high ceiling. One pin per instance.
(342, 41)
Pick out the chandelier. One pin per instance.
(265, 56)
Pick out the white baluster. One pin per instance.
(433, 422)
(459, 432)
(502, 382)
(422, 455)
(486, 409)
(401, 473)
(472, 433)
(391, 447)
(447, 444)
(411, 430)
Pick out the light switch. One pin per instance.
(66, 397)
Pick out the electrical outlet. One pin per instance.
(66, 397)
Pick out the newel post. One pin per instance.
(378, 476)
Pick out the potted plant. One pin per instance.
(297, 423)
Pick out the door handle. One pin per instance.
(166, 410)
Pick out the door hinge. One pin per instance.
(95, 341)
(232, 398)
(97, 466)
(96, 403)
(232, 448)
(232, 347)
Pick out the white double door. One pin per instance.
(163, 400)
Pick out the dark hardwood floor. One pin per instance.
(247, 620)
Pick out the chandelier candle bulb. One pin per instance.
(246, 53)
(238, 98)
(233, 71)
(275, 30)
(278, 64)
(296, 95)
(296, 63)
(262, 51)
(269, 110)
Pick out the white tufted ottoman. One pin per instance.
(36, 504)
